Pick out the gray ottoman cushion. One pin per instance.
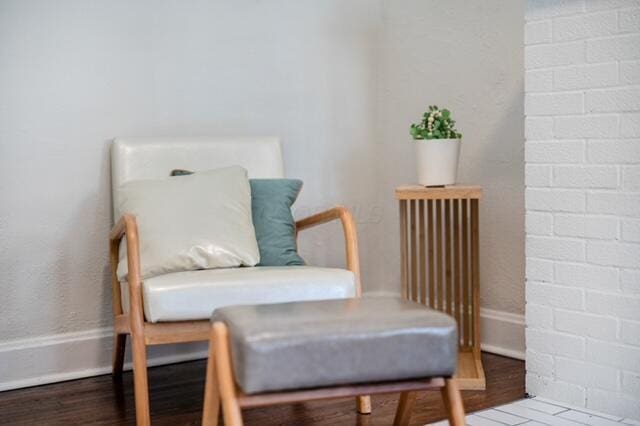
(331, 342)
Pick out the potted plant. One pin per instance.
(437, 147)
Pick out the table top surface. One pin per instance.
(419, 192)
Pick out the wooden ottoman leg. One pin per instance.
(211, 408)
(405, 405)
(453, 402)
(230, 408)
(364, 404)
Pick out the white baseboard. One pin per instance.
(68, 356)
(502, 333)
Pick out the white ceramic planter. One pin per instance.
(437, 161)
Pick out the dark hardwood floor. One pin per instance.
(176, 399)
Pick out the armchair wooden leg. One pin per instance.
(364, 404)
(405, 406)
(119, 345)
(211, 408)
(140, 381)
(453, 402)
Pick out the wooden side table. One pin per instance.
(440, 264)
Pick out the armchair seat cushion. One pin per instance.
(194, 295)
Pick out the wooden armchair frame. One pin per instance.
(145, 333)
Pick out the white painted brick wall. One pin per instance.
(631, 383)
(630, 332)
(587, 374)
(631, 230)
(630, 281)
(585, 126)
(614, 253)
(582, 154)
(630, 125)
(556, 248)
(558, 152)
(603, 227)
(587, 276)
(621, 356)
(613, 48)
(613, 100)
(631, 178)
(588, 325)
(539, 223)
(615, 202)
(540, 316)
(581, 176)
(538, 175)
(556, 343)
(581, 26)
(540, 364)
(617, 151)
(542, 81)
(555, 200)
(554, 103)
(539, 270)
(586, 76)
(629, 72)
(555, 296)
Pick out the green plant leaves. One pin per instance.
(436, 124)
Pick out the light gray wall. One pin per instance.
(75, 74)
(467, 56)
(338, 81)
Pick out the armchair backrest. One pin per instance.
(155, 158)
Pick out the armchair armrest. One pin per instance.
(350, 236)
(127, 227)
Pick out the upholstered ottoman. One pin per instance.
(289, 352)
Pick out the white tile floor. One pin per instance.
(537, 412)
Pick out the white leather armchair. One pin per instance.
(175, 308)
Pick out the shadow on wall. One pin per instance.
(499, 162)
(87, 242)
(466, 57)
(79, 291)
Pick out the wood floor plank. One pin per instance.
(176, 399)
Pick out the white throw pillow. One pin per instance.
(200, 221)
